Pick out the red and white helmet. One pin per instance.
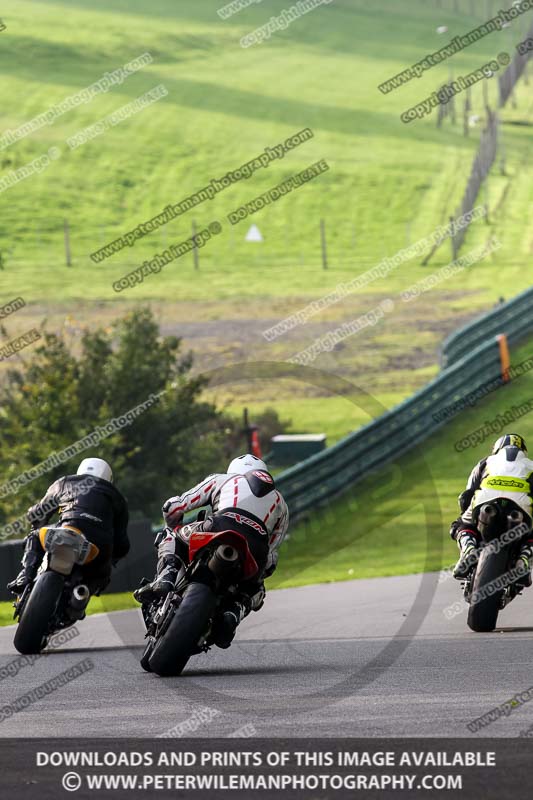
(243, 464)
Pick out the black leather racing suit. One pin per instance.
(98, 509)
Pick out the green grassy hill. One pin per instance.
(388, 184)
(406, 530)
(225, 104)
(377, 529)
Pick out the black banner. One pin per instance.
(266, 768)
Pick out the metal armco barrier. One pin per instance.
(514, 318)
(310, 482)
(471, 358)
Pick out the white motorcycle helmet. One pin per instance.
(96, 467)
(243, 464)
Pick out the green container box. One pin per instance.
(289, 448)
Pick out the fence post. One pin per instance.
(466, 117)
(486, 93)
(194, 249)
(452, 238)
(505, 360)
(323, 243)
(486, 198)
(67, 242)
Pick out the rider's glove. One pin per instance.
(455, 527)
(172, 514)
(523, 564)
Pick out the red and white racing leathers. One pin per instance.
(250, 499)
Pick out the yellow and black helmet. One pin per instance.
(509, 440)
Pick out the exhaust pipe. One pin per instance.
(487, 513)
(80, 597)
(227, 553)
(487, 517)
(223, 559)
(514, 518)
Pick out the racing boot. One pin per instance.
(524, 561)
(165, 580)
(31, 561)
(469, 555)
(226, 625)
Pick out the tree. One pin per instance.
(59, 397)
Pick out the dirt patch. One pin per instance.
(405, 341)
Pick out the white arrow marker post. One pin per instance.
(253, 235)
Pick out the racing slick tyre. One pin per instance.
(33, 628)
(189, 624)
(483, 614)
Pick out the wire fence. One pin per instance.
(515, 70)
(290, 238)
(489, 140)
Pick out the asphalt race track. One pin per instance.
(347, 659)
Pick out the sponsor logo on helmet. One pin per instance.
(264, 476)
(510, 483)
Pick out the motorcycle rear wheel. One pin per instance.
(34, 625)
(483, 615)
(179, 642)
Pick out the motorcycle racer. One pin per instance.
(244, 497)
(90, 502)
(506, 473)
